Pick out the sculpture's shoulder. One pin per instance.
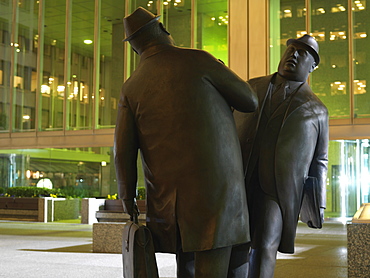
(316, 104)
(196, 54)
(260, 81)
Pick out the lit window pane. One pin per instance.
(287, 21)
(111, 61)
(213, 22)
(177, 19)
(25, 48)
(52, 86)
(80, 82)
(331, 80)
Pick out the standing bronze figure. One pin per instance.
(283, 143)
(176, 108)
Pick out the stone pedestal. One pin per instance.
(358, 234)
(107, 237)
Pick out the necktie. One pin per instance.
(278, 96)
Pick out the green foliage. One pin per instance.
(31, 191)
(67, 192)
(141, 193)
(75, 192)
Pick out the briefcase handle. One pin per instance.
(135, 217)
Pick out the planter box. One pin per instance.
(29, 209)
(60, 209)
(45, 209)
(19, 203)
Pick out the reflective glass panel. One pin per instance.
(52, 86)
(177, 19)
(348, 177)
(25, 47)
(80, 92)
(287, 19)
(87, 171)
(212, 23)
(5, 54)
(329, 25)
(111, 60)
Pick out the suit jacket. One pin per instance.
(176, 108)
(292, 147)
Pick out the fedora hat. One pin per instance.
(310, 44)
(138, 20)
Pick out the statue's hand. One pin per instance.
(309, 223)
(131, 208)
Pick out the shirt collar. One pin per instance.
(289, 84)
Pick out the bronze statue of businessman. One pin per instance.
(283, 144)
(176, 108)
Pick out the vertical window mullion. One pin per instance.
(194, 25)
(40, 65)
(13, 65)
(350, 62)
(67, 65)
(96, 68)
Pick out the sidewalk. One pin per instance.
(30, 249)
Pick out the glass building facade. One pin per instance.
(62, 65)
(63, 62)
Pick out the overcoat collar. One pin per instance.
(154, 50)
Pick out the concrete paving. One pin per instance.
(30, 249)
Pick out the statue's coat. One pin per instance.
(175, 108)
(292, 147)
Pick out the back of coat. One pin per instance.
(190, 150)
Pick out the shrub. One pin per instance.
(75, 192)
(141, 193)
(31, 191)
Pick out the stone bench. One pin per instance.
(113, 212)
(21, 208)
(115, 216)
(94, 210)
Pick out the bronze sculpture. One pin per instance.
(283, 143)
(176, 108)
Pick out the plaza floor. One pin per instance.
(30, 249)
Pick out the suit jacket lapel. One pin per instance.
(296, 100)
(299, 98)
(263, 88)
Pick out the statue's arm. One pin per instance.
(125, 155)
(237, 92)
(319, 166)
